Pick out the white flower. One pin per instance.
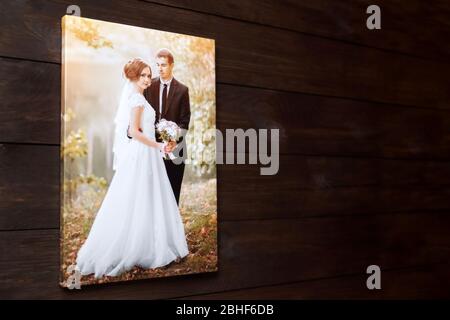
(168, 128)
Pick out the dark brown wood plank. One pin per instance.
(417, 28)
(250, 55)
(308, 124)
(427, 282)
(316, 186)
(332, 216)
(304, 187)
(29, 186)
(330, 126)
(251, 253)
(30, 110)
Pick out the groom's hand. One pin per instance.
(171, 145)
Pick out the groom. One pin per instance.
(170, 99)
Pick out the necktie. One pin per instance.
(164, 100)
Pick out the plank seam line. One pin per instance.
(423, 212)
(293, 154)
(271, 26)
(412, 267)
(377, 102)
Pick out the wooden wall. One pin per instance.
(364, 118)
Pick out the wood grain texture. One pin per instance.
(416, 28)
(364, 140)
(315, 186)
(29, 187)
(331, 126)
(426, 282)
(248, 55)
(30, 110)
(304, 187)
(308, 124)
(252, 253)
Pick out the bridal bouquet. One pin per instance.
(168, 131)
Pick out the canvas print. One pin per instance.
(138, 184)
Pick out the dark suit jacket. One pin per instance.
(178, 107)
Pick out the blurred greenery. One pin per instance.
(95, 53)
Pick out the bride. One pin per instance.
(138, 223)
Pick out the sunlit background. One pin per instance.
(94, 53)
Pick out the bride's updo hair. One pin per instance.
(132, 70)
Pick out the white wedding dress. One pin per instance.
(138, 223)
